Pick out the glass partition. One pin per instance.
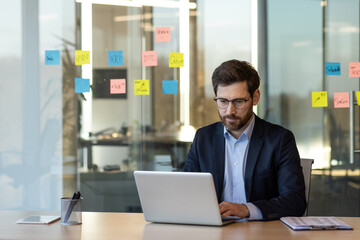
(32, 174)
(121, 133)
(298, 52)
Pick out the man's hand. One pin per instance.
(233, 209)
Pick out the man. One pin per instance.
(255, 164)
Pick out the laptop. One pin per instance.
(179, 197)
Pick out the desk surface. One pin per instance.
(133, 226)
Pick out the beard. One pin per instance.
(235, 123)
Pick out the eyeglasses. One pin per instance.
(238, 103)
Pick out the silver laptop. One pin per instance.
(179, 197)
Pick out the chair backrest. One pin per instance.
(306, 167)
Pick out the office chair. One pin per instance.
(306, 167)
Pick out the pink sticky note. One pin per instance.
(117, 86)
(354, 69)
(162, 34)
(341, 100)
(149, 58)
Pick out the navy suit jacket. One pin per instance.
(274, 181)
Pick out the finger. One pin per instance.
(224, 206)
(227, 213)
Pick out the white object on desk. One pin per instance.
(38, 219)
(315, 223)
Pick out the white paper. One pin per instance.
(309, 223)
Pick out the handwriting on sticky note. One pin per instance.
(170, 86)
(176, 60)
(319, 99)
(52, 57)
(82, 57)
(115, 58)
(354, 69)
(162, 34)
(332, 68)
(149, 58)
(358, 98)
(82, 85)
(117, 86)
(141, 87)
(341, 100)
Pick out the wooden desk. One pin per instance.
(133, 226)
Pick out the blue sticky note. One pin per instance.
(52, 57)
(115, 58)
(332, 68)
(170, 86)
(82, 85)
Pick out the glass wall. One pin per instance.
(31, 147)
(128, 131)
(55, 141)
(316, 33)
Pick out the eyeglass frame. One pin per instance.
(244, 101)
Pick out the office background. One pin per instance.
(54, 141)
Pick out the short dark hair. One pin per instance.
(233, 71)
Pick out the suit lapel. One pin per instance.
(255, 146)
(218, 160)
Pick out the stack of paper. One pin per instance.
(315, 223)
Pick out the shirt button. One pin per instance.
(235, 163)
(235, 183)
(236, 144)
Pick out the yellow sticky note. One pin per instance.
(141, 87)
(319, 99)
(358, 97)
(82, 57)
(176, 59)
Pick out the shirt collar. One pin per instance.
(247, 132)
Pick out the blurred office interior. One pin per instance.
(55, 141)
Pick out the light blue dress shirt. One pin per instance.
(236, 151)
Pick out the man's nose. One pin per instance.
(230, 108)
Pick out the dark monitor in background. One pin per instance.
(101, 82)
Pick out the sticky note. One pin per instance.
(162, 34)
(319, 99)
(141, 87)
(176, 60)
(354, 69)
(82, 57)
(332, 68)
(117, 86)
(358, 98)
(149, 58)
(341, 100)
(170, 86)
(82, 85)
(115, 58)
(52, 57)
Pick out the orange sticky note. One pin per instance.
(117, 86)
(341, 100)
(141, 87)
(358, 98)
(162, 34)
(354, 69)
(319, 99)
(149, 58)
(176, 59)
(82, 57)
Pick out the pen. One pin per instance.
(71, 205)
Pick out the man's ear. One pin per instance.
(256, 97)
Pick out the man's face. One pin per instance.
(236, 120)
